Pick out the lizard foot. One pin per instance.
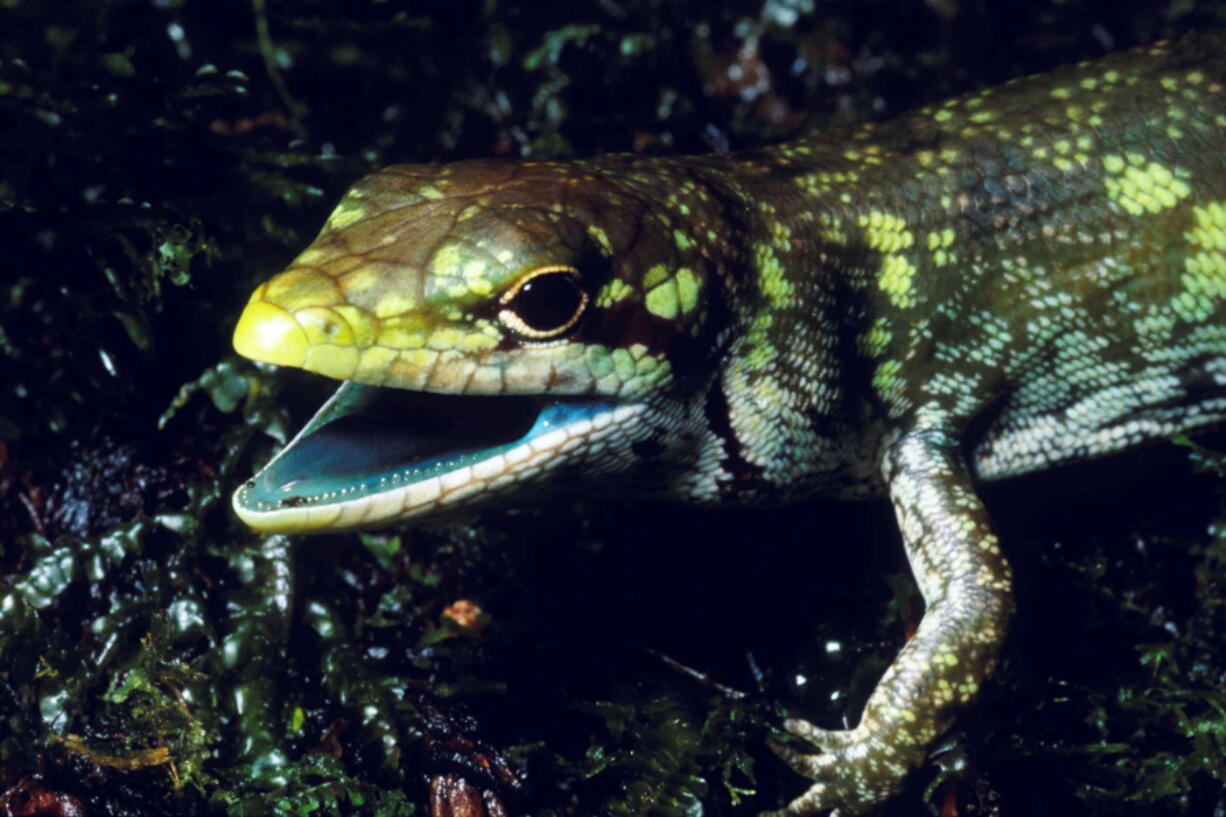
(854, 770)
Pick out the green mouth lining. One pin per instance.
(366, 439)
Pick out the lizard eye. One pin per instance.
(545, 304)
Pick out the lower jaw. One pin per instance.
(374, 456)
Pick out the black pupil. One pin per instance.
(548, 301)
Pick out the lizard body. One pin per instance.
(1014, 279)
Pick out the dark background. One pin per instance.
(159, 159)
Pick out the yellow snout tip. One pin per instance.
(270, 334)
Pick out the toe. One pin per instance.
(807, 805)
(809, 765)
(806, 730)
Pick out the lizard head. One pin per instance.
(492, 321)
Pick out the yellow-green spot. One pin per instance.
(896, 280)
(1061, 93)
(939, 241)
(884, 231)
(885, 378)
(688, 288)
(623, 364)
(781, 235)
(445, 338)
(374, 364)
(648, 373)
(877, 337)
(775, 285)
(358, 281)
(601, 238)
(476, 342)
(346, 213)
(446, 259)
(1204, 276)
(675, 295)
(662, 301)
(888, 234)
(684, 242)
(391, 304)
(760, 354)
(310, 257)
(612, 292)
(1140, 187)
(655, 275)
(360, 323)
(599, 361)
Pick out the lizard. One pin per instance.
(1010, 280)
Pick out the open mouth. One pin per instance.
(373, 454)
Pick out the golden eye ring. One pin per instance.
(544, 304)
